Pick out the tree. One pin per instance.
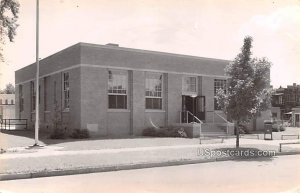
(9, 11)
(9, 89)
(248, 89)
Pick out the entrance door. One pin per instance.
(297, 120)
(200, 107)
(194, 105)
(187, 105)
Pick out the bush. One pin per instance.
(175, 132)
(58, 134)
(165, 132)
(161, 132)
(149, 132)
(80, 134)
(243, 130)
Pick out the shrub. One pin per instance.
(165, 132)
(58, 133)
(181, 132)
(175, 132)
(161, 132)
(149, 132)
(80, 134)
(243, 129)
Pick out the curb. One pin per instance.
(88, 170)
(287, 153)
(16, 176)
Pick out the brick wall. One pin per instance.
(88, 67)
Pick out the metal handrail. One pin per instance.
(187, 118)
(223, 118)
(194, 117)
(227, 129)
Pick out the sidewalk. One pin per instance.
(56, 160)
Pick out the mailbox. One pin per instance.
(268, 130)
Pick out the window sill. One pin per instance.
(66, 110)
(118, 110)
(155, 111)
(218, 111)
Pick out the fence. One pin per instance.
(7, 123)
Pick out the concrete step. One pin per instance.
(193, 129)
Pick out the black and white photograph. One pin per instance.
(150, 96)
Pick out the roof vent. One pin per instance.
(112, 44)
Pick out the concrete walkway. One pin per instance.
(52, 160)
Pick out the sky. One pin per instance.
(205, 28)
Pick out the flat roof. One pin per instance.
(114, 56)
(117, 47)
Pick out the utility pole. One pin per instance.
(36, 129)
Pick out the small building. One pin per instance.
(295, 117)
(284, 100)
(276, 113)
(7, 106)
(116, 91)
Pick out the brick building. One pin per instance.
(286, 103)
(116, 91)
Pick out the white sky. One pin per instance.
(204, 28)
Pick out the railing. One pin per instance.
(10, 122)
(224, 119)
(186, 115)
(291, 143)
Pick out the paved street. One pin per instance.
(279, 174)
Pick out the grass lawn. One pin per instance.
(11, 139)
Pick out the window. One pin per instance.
(54, 93)
(6, 101)
(288, 97)
(189, 85)
(218, 84)
(0, 101)
(153, 91)
(45, 93)
(292, 98)
(66, 90)
(21, 98)
(117, 89)
(280, 100)
(32, 92)
(11, 101)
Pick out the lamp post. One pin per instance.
(36, 129)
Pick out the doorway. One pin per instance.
(200, 107)
(195, 105)
(297, 120)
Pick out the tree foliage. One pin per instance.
(248, 89)
(9, 11)
(9, 89)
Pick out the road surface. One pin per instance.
(279, 174)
